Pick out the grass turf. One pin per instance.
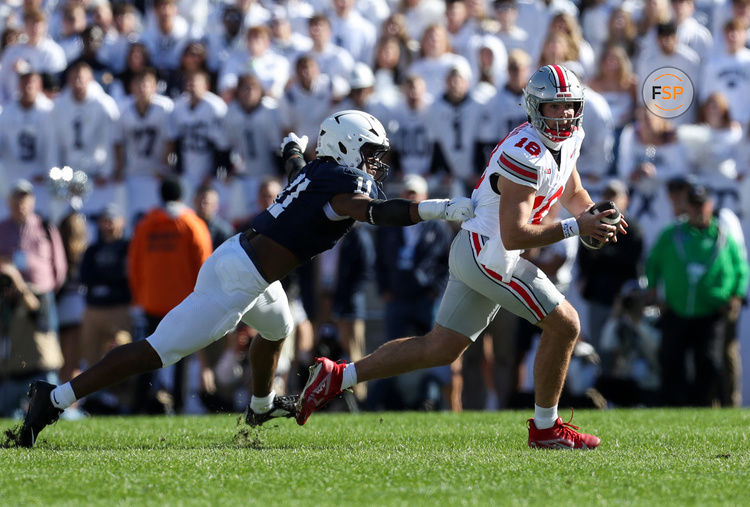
(647, 457)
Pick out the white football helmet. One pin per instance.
(355, 139)
(553, 83)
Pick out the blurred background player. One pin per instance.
(140, 144)
(28, 139)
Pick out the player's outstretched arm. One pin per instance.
(401, 212)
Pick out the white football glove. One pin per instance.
(458, 208)
(293, 138)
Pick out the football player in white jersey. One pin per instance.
(86, 117)
(532, 168)
(28, 141)
(196, 133)
(454, 120)
(140, 143)
(252, 126)
(412, 145)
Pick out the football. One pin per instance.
(614, 219)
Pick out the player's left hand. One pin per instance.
(459, 209)
(294, 138)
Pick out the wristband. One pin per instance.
(570, 227)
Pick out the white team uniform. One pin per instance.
(271, 69)
(303, 110)
(410, 137)
(484, 275)
(28, 147)
(524, 159)
(253, 138)
(47, 57)
(454, 128)
(143, 139)
(86, 133)
(200, 133)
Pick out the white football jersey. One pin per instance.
(144, 137)
(254, 136)
(454, 128)
(507, 113)
(28, 141)
(86, 130)
(409, 136)
(523, 158)
(302, 110)
(47, 57)
(199, 130)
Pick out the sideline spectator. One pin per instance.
(71, 299)
(704, 278)
(206, 205)
(106, 319)
(602, 273)
(167, 249)
(411, 266)
(27, 352)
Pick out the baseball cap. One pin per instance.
(22, 186)
(415, 183)
(697, 194)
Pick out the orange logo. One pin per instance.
(668, 92)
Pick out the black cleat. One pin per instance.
(41, 413)
(283, 406)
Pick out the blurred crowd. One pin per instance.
(174, 110)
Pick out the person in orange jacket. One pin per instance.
(167, 249)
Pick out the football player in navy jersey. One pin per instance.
(240, 281)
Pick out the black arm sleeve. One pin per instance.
(390, 212)
(294, 160)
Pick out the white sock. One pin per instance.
(264, 404)
(63, 396)
(544, 417)
(350, 376)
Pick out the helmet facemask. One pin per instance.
(558, 130)
(375, 160)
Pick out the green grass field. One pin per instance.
(647, 457)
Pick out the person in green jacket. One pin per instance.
(702, 277)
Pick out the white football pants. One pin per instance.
(228, 289)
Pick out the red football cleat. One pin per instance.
(562, 435)
(323, 384)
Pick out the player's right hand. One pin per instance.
(293, 138)
(592, 225)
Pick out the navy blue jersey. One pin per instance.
(302, 219)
